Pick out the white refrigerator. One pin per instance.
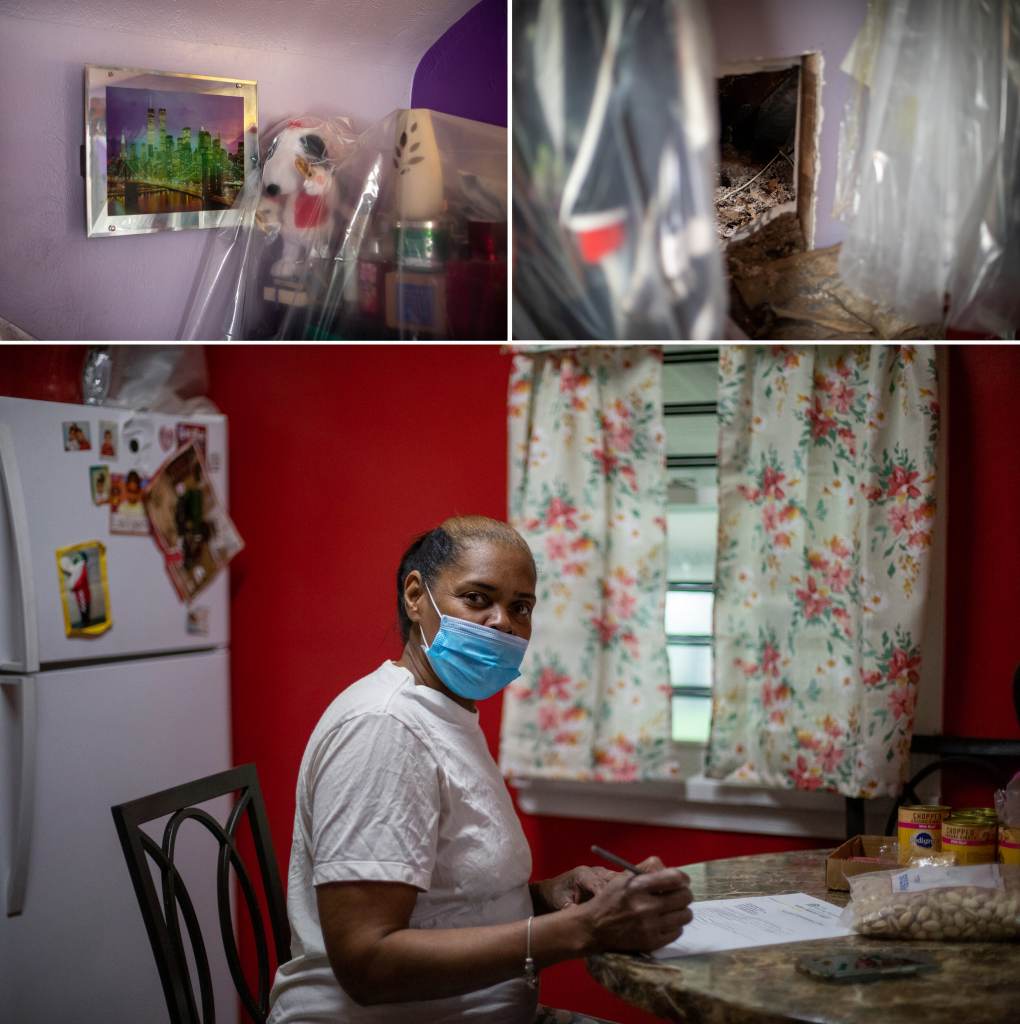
(89, 721)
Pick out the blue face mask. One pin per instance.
(473, 661)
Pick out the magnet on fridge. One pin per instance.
(84, 591)
(77, 436)
(198, 621)
(127, 510)
(192, 432)
(107, 439)
(99, 482)
(189, 522)
(138, 439)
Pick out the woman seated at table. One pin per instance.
(409, 871)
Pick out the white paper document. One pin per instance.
(755, 921)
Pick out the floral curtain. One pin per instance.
(588, 492)
(826, 508)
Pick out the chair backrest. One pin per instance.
(163, 917)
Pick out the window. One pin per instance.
(693, 801)
(692, 427)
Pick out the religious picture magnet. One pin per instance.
(84, 591)
(77, 436)
(127, 510)
(189, 522)
(107, 439)
(99, 481)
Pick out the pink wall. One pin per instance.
(745, 29)
(54, 282)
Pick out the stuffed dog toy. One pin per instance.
(299, 199)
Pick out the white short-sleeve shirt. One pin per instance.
(397, 785)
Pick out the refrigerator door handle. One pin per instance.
(23, 692)
(11, 481)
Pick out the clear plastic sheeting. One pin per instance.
(398, 232)
(929, 165)
(148, 378)
(614, 149)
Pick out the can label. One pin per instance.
(421, 245)
(1009, 845)
(920, 830)
(970, 841)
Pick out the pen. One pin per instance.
(613, 859)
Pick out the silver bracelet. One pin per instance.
(530, 972)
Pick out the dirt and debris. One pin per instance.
(800, 296)
(745, 188)
(757, 120)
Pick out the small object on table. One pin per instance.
(856, 856)
(856, 967)
(973, 903)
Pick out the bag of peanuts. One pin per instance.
(976, 903)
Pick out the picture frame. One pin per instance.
(165, 150)
(84, 589)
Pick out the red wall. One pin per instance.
(983, 563)
(982, 648)
(339, 457)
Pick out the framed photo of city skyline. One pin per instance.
(165, 151)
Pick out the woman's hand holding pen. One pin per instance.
(638, 912)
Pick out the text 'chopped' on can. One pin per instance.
(970, 839)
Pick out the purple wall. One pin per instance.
(746, 29)
(57, 284)
(464, 72)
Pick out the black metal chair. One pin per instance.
(163, 918)
(993, 760)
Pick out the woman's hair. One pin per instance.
(443, 546)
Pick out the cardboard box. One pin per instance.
(839, 867)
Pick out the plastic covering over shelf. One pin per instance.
(615, 142)
(929, 171)
(397, 232)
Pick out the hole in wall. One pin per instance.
(769, 110)
(757, 147)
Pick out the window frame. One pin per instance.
(678, 357)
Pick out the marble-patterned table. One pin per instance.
(976, 983)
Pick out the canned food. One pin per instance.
(920, 830)
(988, 813)
(421, 244)
(970, 840)
(1009, 845)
